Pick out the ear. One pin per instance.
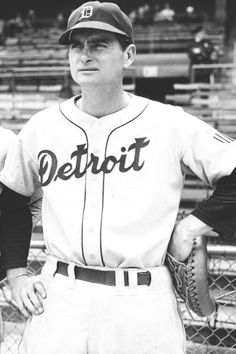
(130, 52)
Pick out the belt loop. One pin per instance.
(133, 278)
(71, 273)
(54, 268)
(120, 279)
(50, 266)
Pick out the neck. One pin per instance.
(99, 102)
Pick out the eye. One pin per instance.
(76, 45)
(98, 45)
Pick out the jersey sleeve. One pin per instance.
(6, 138)
(20, 168)
(211, 155)
(208, 153)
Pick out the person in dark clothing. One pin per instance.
(202, 51)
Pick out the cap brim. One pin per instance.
(3, 274)
(65, 37)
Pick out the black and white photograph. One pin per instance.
(118, 177)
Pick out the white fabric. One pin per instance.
(112, 185)
(6, 137)
(111, 193)
(86, 318)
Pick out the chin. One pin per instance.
(84, 77)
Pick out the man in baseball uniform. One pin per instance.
(6, 137)
(23, 218)
(111, 166)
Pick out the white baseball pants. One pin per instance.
(86, 318)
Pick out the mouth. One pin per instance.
(87, 70)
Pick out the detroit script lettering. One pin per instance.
(50, 171)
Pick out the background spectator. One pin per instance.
(133, 16)
(167, 13)
(191, 15)
(19, 22)
(61, 21)
(30, 18)
(201, 50)
(157, 16)
(144, 14)
(2, 32)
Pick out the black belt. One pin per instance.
(106, 277)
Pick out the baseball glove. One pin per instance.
(191, 279)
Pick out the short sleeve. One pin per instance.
(20, 168)
(207, 152)
(6, 139)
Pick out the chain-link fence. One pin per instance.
(214, 335)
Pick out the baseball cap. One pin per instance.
(96, 15)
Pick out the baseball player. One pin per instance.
(111, 166)
(6, 136)
(23, 225)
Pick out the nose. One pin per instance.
(85, 54)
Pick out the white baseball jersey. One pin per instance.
(112, 185)
(6, 137)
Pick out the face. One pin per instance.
(96, 57)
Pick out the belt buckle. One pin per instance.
(144, 278)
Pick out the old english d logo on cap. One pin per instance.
(86, 12)
(98, 15)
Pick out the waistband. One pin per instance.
(124, 277)
(105, 277)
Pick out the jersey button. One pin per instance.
(92, 257)
(96, 151)
(94, 178)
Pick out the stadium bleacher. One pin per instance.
(214, 103)
(163, 37)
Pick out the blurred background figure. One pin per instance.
(61, 21)
(30, 18)
(156, 13)
(167, 13)
(19, 22)
(2, 32)
(201, 50)
(143, 15)
(190, 13)
(133, 16)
